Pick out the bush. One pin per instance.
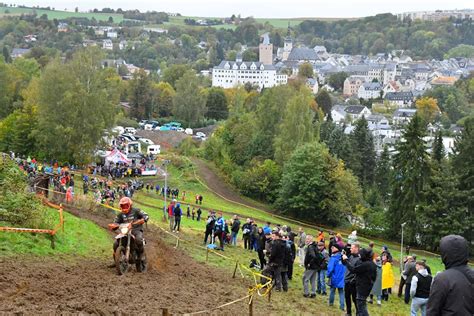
(17, 205)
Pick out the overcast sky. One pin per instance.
(262, 8)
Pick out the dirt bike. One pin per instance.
(126, 253)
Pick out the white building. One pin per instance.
(112, 34)
(229, 74)
(403, 116)
(107, 44)
(341, 113)
(369, 90)
(122, 44)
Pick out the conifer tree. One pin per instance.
(362, 161)
(437, 151)
(383, 173)
(411, 170)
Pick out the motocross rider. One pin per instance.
(134, 214)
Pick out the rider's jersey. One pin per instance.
(133, 215)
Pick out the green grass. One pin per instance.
(185, 179)
(80, 238)
(56, 14)
(192, 235)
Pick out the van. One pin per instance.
(188, 131)
(153, 149)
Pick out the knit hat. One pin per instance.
(337, 247)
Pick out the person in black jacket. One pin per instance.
(366, 272)
(246, 230)
(452, 291)
(350, 290)
(312, 262)
(276, 260)
(262, 239)
(235, 230)
(177, 217)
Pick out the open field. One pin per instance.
(60, 14)
(275, 22)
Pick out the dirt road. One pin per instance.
(89, 286)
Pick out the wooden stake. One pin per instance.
(207, 254)
(165, 312)
(235, 270)
(251, 305)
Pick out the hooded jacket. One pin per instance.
(336, 271)
(365, 272)
(452, 291)
(420, 284)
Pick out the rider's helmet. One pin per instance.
(125, 205)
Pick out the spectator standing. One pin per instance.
(171, 214)
(262, 238)
(177, 217)
(275, 260)
(235, 230)
(193, 213)
(199, 212)
(287, 260)
(188, 212)
(210, 223)
(409, 272)
(452, 290)
(350, 290)
(336, 271)
(322, 268)
(377, 288)
(388, 280)
(301, 245)
(420, 289)
(365, 271)
(246, 230)
(312, 260)
(200, 199)
(254, 236)
(219, 230)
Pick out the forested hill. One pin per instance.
(384, 32)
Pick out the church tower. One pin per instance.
(288, 44)
(265, 50)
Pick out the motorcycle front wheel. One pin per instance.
(121, 262)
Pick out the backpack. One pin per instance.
(210, 222)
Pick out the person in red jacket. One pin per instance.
(171, 213)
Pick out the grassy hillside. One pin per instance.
(60, 14)
(80, 238)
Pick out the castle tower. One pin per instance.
(265, 50)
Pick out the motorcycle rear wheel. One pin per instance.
(121, 263)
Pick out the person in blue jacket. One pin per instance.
(335, 273)
(219, 230)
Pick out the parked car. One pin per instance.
(200, 134)
(188, 131)
(180, 129)
(165, 128)
(130, 130)
(143, 123)
(147, 141)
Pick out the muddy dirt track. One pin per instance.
(77, 286)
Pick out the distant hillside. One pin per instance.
(55, 14)
(275, 22)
